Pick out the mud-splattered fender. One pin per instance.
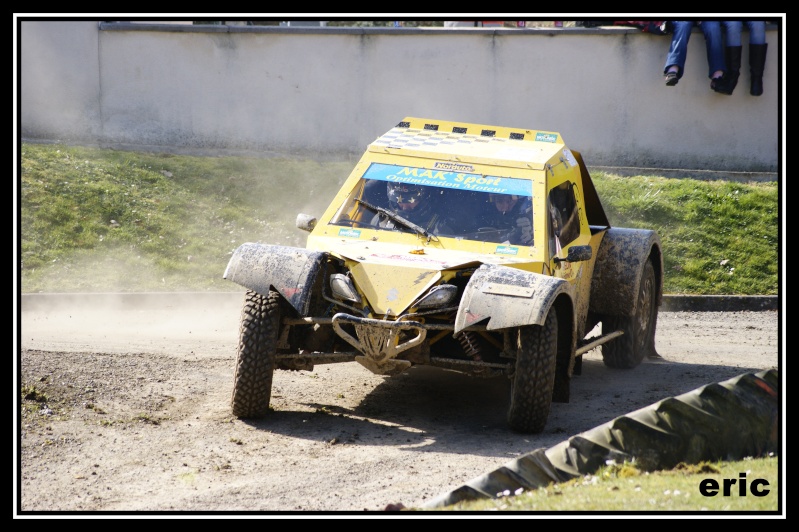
(617, 272)
(508, 297)
(291, 271)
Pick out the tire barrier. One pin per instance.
(729, 420)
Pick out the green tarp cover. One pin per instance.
(729, 420)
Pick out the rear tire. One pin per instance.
(255, 362)
(638, 340)
(534, 377)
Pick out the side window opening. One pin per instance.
(564, 215)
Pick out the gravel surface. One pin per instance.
(126, 409)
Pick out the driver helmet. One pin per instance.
(404, 197)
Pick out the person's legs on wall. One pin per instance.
(732, 55)
(675, 60)
(714, 44)
(757, 55)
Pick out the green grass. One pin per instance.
(719, 237)
(623, 488)
(98, 220)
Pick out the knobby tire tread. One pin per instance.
(255, 361)
(534, 376)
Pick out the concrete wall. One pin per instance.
(330, 91)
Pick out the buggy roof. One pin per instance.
(461, 142)
(475, 143)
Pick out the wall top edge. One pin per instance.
(328, 30)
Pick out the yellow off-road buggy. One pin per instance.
(376, 287)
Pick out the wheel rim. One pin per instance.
(644, 311)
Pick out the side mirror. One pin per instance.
(306, 222)
(577, 254)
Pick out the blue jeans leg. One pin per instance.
(678, 49)
(732, 29)
(715, 46)
(757, 31)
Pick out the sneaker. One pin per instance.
(671, 79)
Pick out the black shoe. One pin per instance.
(721, 84)
(671, 79)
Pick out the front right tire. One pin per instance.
(255, 361)
(534, 377)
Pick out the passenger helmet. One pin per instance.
(509, 200)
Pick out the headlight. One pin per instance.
(343, 289)
(438, 296)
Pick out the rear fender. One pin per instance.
(617, 272)
(507, 297)
(291, 271)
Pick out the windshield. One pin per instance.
(437, 203)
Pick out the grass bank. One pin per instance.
(97, 220)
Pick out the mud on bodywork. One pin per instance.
(291, 271)
(617, 272)
(507, 298)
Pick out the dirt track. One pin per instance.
(136, 415)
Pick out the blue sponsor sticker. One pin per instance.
(455, 180)
(546, 137)
(507, 250)
(351, 233)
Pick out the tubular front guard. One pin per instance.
(379, 341)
